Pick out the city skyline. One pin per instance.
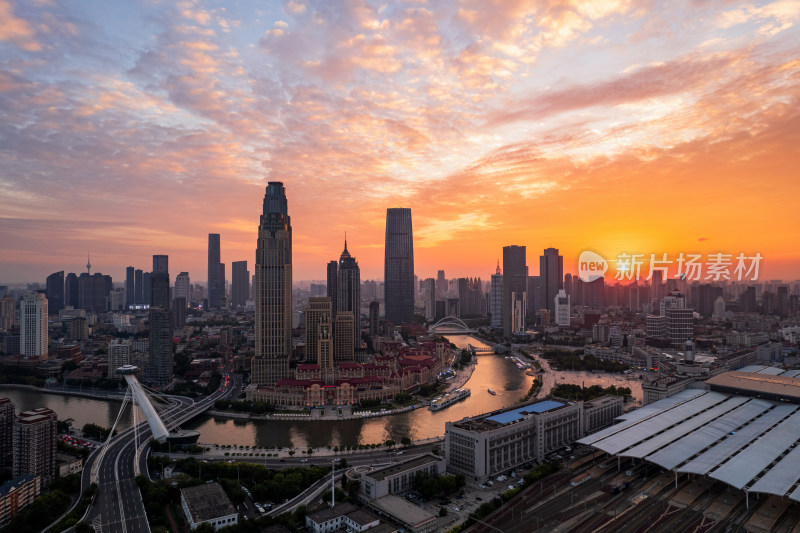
(604, 126)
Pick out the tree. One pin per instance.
(442, 511)
(405, 441)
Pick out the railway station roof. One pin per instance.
(746, 442)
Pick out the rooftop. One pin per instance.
(362, 517)
(519, 413)
(330, 513)
(744, 442)
(403, 511)
(382, 473)
(764, 384)
(15, 484)
(207, 501)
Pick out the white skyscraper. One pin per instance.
(561, 301)
(33, 325)
(674, 300)
(496, 299)
(519, 308)
(119, 354)
(182, 289)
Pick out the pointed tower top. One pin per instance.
(345, 240)
(498, 266)
(88, 263)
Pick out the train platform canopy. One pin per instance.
(748, 443)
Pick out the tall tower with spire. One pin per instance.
(348, 290)
(496, 298)
(273, 289)
(88, 264)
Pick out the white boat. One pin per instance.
(449, 399)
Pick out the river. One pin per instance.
(492, 371)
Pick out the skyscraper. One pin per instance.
(130, 287)
(515, 280)
(138, 286)
(34, 443)
(429, 297)
(551, 272)
(240, 284)
(216, 283)
(159, 282)
(7, 416)
(333, 280)
(273, 294)
(182, 287)
(496, 298)
(562, 308)
(319, 327)
(348, 291)
(343, 347)
(55, 292)
(33, 326)
(71, 290)
(119, 354)
(441, 285)
(374, 318)
(398, 273)
(147, 287)
(160, 369)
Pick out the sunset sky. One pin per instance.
(134, 128)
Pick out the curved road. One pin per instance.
(118, 504)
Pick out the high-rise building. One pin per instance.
(679, 326)
(130, 287)
(518, 312)
(7, 416)
(71, 291)
(374, 318)
(160, 370)
(515, 280)
(348, 291)
(496, 299)
(183, 288)
(119, 354)
(240, 284)
(318, 332)
(93, 292)
(55, 292)
(8, 312)
(562, 308)
(138, 286)
(674, 300)
(551, 271)
(398, 273)
(159, 282)
(34, 444)
(179, 313)
(160, 263)
(216, 282)
(441, 285)
(333, 281)
(273, 295)
(782, 303)
(147, 288)
(33, 325)
(429, 297)
(343, 347)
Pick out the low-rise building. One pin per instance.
(208, 504)
(17, 494)
(330, 519)
(361, 520)
(398, 478)
(601, 412)
(493, 443)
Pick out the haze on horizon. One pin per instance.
(607, 125)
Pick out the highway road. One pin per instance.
(118, 504)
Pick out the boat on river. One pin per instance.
(492, 392)
(449, 399)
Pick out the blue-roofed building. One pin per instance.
(495, 443)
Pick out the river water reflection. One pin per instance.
(492, 371)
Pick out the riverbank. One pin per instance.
(61, 391)
(462, 377)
